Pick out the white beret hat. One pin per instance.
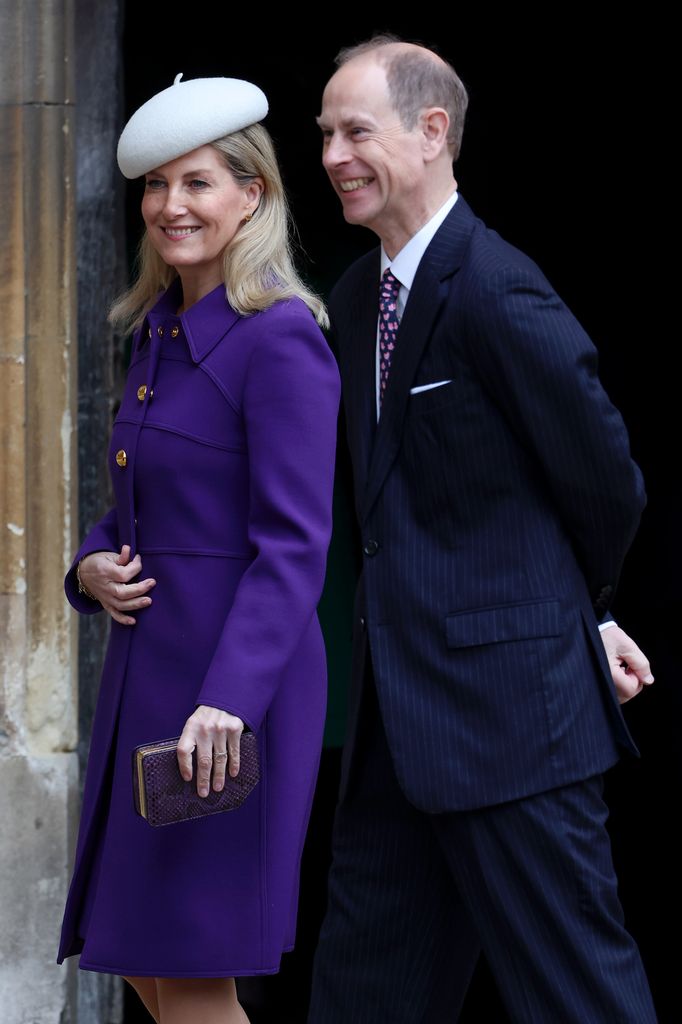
(185, 116)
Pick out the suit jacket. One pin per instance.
(495, 512)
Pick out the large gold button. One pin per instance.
(175, 331)
(159, 331)
(121, 458)
(141, 392)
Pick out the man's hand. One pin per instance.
(630, 668)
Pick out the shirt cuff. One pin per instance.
(606, 625)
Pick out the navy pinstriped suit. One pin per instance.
(495, 513)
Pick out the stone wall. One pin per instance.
(39, 795)
(38, 699)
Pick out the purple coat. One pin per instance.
(222, 474)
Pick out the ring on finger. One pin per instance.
(220, 756)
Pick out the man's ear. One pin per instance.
(435, 124)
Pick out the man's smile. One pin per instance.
(353, 184)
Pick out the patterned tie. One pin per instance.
(388, 326)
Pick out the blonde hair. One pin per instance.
(258, 266)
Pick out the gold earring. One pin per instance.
(248, 216)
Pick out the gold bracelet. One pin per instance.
(82, 589)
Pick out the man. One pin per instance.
(496, 498)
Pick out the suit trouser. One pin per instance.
(414, 897)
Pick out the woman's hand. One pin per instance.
(106, 575)
(215, 734)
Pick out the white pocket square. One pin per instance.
(429, 387)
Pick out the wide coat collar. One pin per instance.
(442, 259)
(204, 324)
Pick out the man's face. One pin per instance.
(375, 166)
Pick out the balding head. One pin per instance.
(417, 78)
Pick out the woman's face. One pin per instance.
(193, 208)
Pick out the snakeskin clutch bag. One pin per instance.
(163, 797)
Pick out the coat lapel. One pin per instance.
(427, 296)
(359, 371)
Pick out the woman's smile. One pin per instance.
(179, 233)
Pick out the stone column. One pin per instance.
(102, 275)
(38, 653)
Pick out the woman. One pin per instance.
(210, 565)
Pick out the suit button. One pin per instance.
(121, 458)
(371, 548)
(159, 331)
(141, 392)
(175, 331)
(363, 624)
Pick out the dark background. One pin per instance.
(563, 155)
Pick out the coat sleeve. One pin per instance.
(541, 369)
(102, 537)
(290, 405)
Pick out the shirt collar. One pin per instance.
(405, 264)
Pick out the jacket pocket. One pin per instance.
(432, 397)
(421, 388)
(508, 622)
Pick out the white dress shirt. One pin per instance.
(404, 267)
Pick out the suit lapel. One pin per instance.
(359, 373)
(429, 291)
